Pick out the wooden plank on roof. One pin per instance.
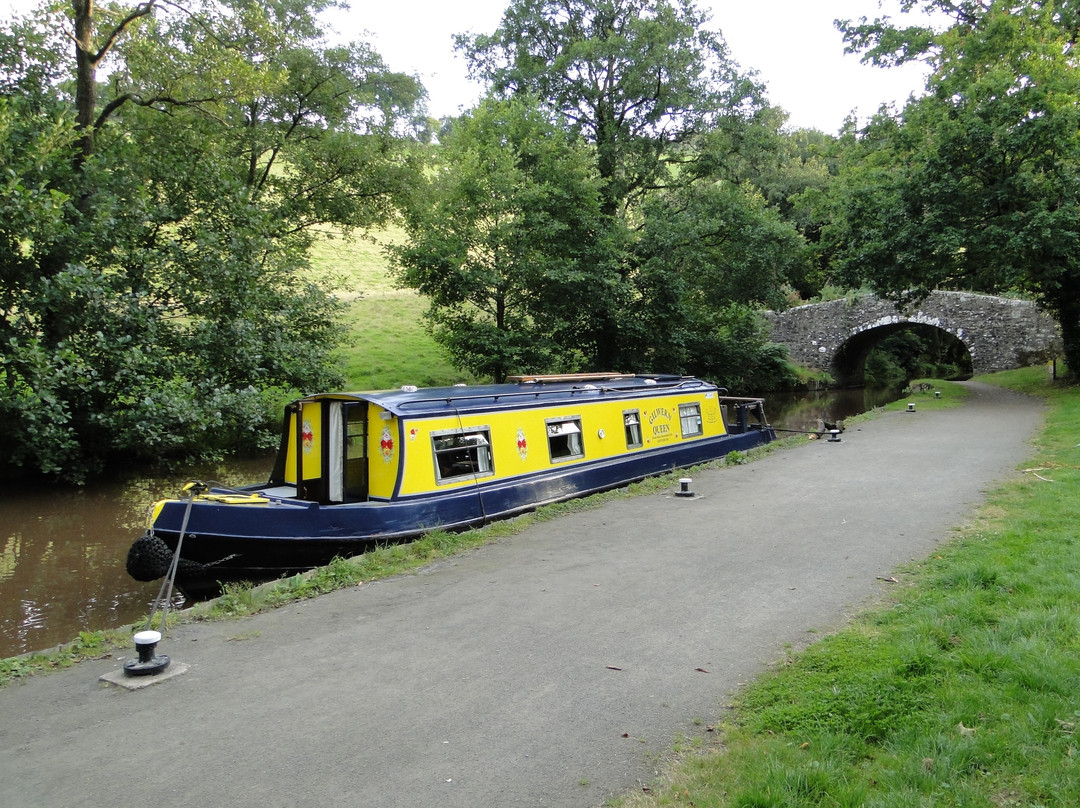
(570, 377)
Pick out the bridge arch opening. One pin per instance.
(917, 349)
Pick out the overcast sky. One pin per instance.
(792, 44)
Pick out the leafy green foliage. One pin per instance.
(977, 186)
(721, 241)
(660, 103)
(636, 78)
(502, 242)
(596, 212)
(709, 255)
(155, 298)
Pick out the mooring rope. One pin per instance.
(190, 490)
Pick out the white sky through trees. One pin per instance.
(792, 44)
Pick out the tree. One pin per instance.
(642, 83)
(503, 243)
(709, 256)
(154, 298)
(636, 78)
(983, 187)
(801, 173)
(90, 52)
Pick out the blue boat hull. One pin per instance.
(224, 543)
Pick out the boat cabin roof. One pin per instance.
(520, 391)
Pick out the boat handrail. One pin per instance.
(537, 393)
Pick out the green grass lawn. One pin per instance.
(386, 343)
(354, 265)
(962, 691)
(387, 346)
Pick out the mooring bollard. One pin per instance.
(937, 394)
(834, 436)
(149, 662)
(684, 488)
(911, 406)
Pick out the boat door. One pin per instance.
(355, 484)
(332, 450)
(346, 468)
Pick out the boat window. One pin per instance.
(462, 453)
(690, 418)
(632, 421)
(564, 439)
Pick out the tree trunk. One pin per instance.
(86, 65)
(55, 320)
(85, 77)
(1068, 312)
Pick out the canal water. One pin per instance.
(805, 411)
(62, 553)
(62, 550)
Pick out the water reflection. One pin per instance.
(62, 551)
(62, 554)
(805, 411)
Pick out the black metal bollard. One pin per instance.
(149, 662)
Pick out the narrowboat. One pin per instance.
(355, 470)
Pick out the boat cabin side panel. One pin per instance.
(384, 452)
(349, 449)
(448, 452)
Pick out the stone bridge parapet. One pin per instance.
(999, 333)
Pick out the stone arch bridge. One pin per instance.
(837, 336)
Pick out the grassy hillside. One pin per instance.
(355, 265)
(386, 345)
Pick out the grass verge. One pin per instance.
(964, 690)
(930, 394)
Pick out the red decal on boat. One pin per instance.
(387, 444)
